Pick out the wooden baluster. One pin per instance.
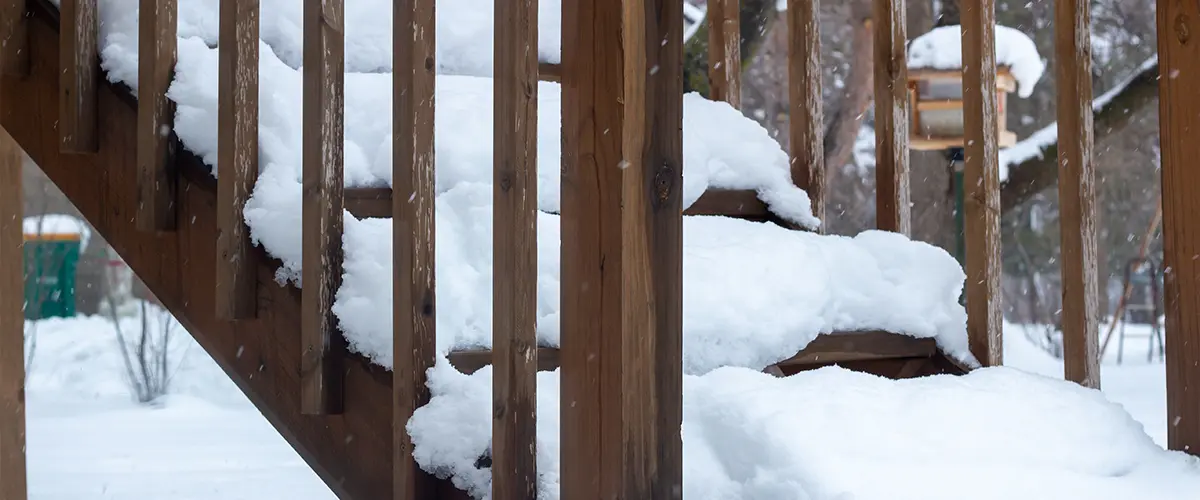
(725, 51)
(156, 116)
(14, 39)
(12, 324)
(981, 181)
(79, 35)
(892, 207)
(324, 115)
(807, 135)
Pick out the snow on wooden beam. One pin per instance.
(78, 57)
(414, 303)
(237, 155)
(514, 240)
(622, 314)
(1179, 118)
(156, 116)
(1077, 193)
(14, 39)
(892, 103)
(321, 253)
(725, 51)
(12, 324)
(807, 134)
(981, 181)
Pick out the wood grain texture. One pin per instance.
(323, 157)
(622, 249)
(413, 227)
(14, 38)
(725, 51)
(77, 88)
(156, 116)
(1077, 193)
(893, 212)
(514, 240)
(1179, 119)
(981, 181)
(12, 324)
(806, 130)
(237, 157)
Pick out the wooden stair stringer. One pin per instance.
(351, 452)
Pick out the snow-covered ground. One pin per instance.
(88, 440)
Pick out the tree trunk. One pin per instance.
(756, 19)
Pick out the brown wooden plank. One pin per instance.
(413, 227)
(514, 241)
(12, 324)
(550, 72)
(237, 157)
(893, 211)
(981, 181)
(1077, 192)
(1179, 119)
(622, 249)
(14, 39)
(725, 51)
(324, 106)
(806, 130)
(156, 115)
(77, 88)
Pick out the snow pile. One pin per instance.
(57, 224)
(754, 294)
(821, 435)
(942, 49)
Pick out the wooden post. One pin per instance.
(514, 241)
(156, 116)
(14, 39)
(806, 131)
(1077, 193)
(1179, 119)
(893, 212)
(324, 74)
(237, 156)
(622, 249)
(12, 324)
(79, 35)
(725, 51)
(981, 180)
(413, 227)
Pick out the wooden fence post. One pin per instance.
(725, 51)
(806, 129)
(12, 324)
(622, 249)
(892, 208)
(156, 115)
(79, 35)
(14, 39)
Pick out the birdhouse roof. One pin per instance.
(941, 49)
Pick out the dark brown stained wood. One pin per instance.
(14, 39)
(77, 87)
(622, 249)
(237, 153)
(156, 115)
(1179, 119)
(742, 204)
(1077, 192)
(550, 72)
(412, 235)
(351, 452)
(514, 241)
(725, 51)
(981, 181)
(324, 122)
(12, 324)
(892, 208)
(806, 131)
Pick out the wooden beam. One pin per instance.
(806, 131)
(981, 181)
(725, 51)
(622, 249)
(237, 157)
(550, 72)
(12, 324)
(14, 39)
(78, 120)
(514, 241)
(1179, 119)
(321, 254)
(156, 115)
(893, 211)
(1077, 192)
(414, 306)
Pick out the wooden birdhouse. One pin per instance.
(937, 108)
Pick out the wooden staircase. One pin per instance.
(348, 439)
